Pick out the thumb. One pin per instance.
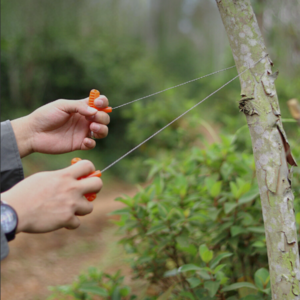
(77, 106)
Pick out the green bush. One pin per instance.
(196, 232)
(202, 196)
(95, 283)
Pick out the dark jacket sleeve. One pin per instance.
(11, 165)
(11, 168)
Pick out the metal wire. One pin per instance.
(173, 87)
(160, 130)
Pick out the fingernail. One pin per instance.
(91, 110)
(98, 102)
(88, 141)
(96, 127)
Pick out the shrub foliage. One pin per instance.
(196, 232)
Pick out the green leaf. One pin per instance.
(217, 259)
(259, 244)
(209, 183)
(193, 281)
(267, 291)
(262, 278)
(244, 187)
(234, 190)
(219, 268)
(238, 285)
(252, 297)
(122, 211)
(216, 189)
(249, 196)
(95, 290)
(128, 201)
(236, 230)
(181, 185)
(125, 291)
(204, 274)
(247, 219)
(187, 295)
(229, 206)
(156, 167)
(205, 254)
(212, 287)
(162, 211)
(213, 213)
(116, 294)
(259, 229)
(288, 120)
(159, 185)
(189, 267)
(189, 248)
(298, 218)
(156, 228)
(226, 170)
(171, 273)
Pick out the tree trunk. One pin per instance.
(271, 149)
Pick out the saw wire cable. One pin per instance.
(160, 130)
(173, 87)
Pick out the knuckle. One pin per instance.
(66, 174)
(72, 188)
(88, 166)
(107, 121)
(70, 207)
(103, 131)
(68, 217)
(98, 184)
(104, 118)
(90, 207)
(59, 102)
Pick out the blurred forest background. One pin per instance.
(128, 49)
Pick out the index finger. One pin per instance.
(81, 168)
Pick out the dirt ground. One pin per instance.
(38, 261)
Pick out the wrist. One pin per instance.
(9, 221)
(23, 135)
(6, 200)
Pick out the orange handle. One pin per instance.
(90, 196)
(94, 94)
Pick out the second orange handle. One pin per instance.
(90, 196)
(94, 94)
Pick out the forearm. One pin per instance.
(23, 134)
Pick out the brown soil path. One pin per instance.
(38, 261)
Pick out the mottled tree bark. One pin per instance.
(271, 149)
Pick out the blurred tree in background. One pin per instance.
(128, 49)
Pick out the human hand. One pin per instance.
(61, 126)
(48, 201)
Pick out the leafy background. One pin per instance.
(128, 49)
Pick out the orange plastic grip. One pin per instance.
(94, 94)
(90, 196)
